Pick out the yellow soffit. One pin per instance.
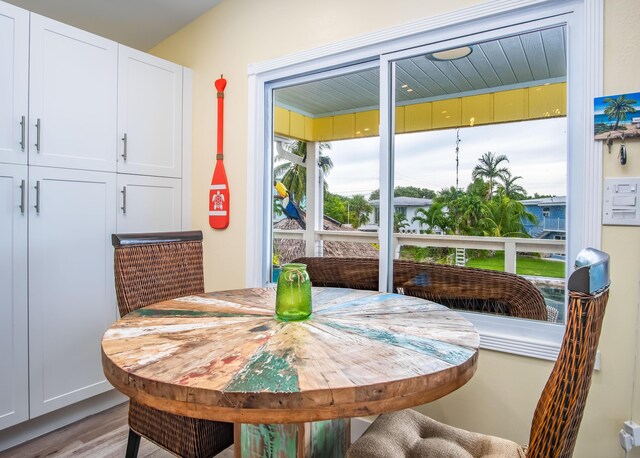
(537, 102)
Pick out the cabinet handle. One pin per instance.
(124, 200)
(37, 205)
(22, 197)
(23, 125)
(38, 126)
(124, 151)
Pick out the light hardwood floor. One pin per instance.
(103, 435)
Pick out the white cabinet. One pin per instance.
(67, 98)
(149, 114)
(72, 97)
(14, 77)
(148, 204)
(13, 295)
(71, 293)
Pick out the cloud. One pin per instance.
(537, 151)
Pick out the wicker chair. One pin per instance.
(463, 288)
(557, 416)
(151, 268)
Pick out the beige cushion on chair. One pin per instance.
(411, 434)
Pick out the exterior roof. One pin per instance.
(403, 201)
(546, 201)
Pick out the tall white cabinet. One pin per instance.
(14, 401)
(65, 187)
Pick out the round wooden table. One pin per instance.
(224, 356)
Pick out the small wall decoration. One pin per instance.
(617, 116)
(219, 191)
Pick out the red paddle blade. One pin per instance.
(219, 198)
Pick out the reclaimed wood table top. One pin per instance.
(224, 355)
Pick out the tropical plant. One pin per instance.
(503, 217)
(359, 210)
(510, 188)
(294, 176)
(399, 222)
(618, 108)
(335, 206)
(434, 217)
(489, 168)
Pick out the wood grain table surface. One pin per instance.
(224, 355)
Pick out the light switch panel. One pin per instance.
(621, 201)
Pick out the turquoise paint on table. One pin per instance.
(453, 354)
(269, 441)
(266, 372)
(329, 438)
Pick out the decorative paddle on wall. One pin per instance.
(219, 192)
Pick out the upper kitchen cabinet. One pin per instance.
(14, 77)
(149, 115)
(73, 92)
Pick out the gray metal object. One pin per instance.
(38, 127)
(37, 205)
(124, 151)
(124, 200)
(592, 272)
(23, 125)
(22, 197)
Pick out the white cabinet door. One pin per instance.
(72, 97)
(149, 114)
(14, 400)
(71, 286)
(14, 77)
(149, 204)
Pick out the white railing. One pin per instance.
(510, 245)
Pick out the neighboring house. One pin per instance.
(551, 217)
(406, 206)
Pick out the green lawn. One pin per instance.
(525, 265)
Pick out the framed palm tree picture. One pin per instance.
(616, 116)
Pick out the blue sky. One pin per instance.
(536, 150)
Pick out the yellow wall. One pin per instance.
(501, 397)
(515, 105)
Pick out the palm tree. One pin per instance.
(509, 188)
(618, 108)
(503, 217)
(489, 168)
(399, 222)
(359, 210)
(294, 176)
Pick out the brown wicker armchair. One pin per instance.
(463, 288)
(151, 268)
(558, 414)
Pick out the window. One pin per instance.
(395, 65)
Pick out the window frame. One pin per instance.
(584, 27)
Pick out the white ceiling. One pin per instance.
(140, 24)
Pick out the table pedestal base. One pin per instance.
(319, 439)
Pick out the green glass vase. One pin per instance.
(293, 293)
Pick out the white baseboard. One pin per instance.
(44, 424)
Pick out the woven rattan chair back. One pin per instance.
(559, 411)
(151, 268)
(462, 288)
